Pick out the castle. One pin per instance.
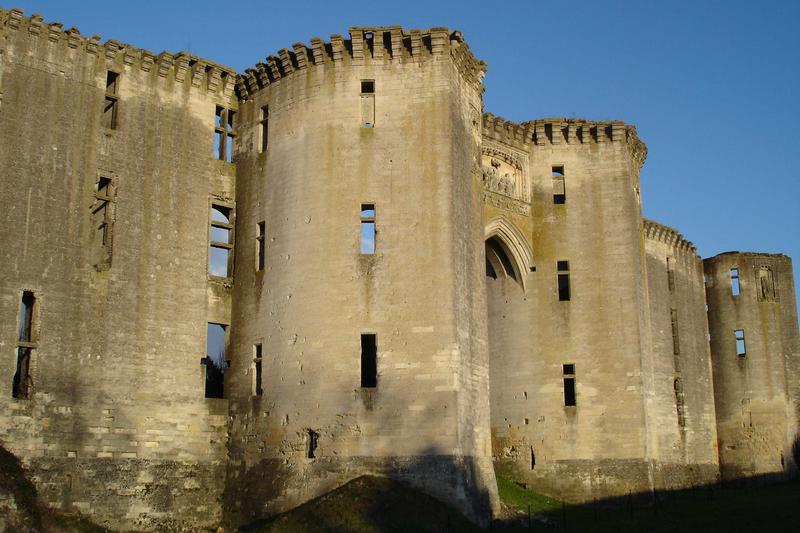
(225, 293)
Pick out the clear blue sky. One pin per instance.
(712, 86)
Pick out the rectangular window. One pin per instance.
(676, 346)
(369, 361)
(21, 384)
(102, 214)
(220, 252)
(264, 133)
(741, 349)
(215, 361)
(735, 289)
(257, 389)
(367, 103)
(312, 440)
(224, 133)
(671, 274)
(111, 104)
(368, 229)
(563, 281)
(569, 385)
(260, 242)
(559, 186)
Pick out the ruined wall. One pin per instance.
(115, 425)
(598, 447)
(420, 293)
(680, 399)
(755, 391)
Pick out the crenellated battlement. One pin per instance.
(554, 131)
(182, 66)
(366, 45)
(669, 236)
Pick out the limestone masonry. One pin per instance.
(224, 294)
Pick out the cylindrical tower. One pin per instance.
(359, 344)
(752, 319)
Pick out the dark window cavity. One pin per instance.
(735, 289)
(264, 130)
(676, 345)
(559, 186)
(111, 105)
(369, 361)
(569, 385)
(680, 404)
(368, 229)
(741, 349)
(367, 103)
(257, 388)
(260, 246)
(22, 381)
(563, 280)
(224, 132)
(220, 251)
(215, 361)
(102, 214)
(312, 441)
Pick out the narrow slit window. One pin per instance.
(676, 345)
(312, 442)
(264, 133)
(741, 348)
(533, 458)
(368, 230)
(102, 214)
(671, 274)
(220, 251)
(680, 404)
(735, 288)
(367, 103)
(214, 361)
(369, 361)
(563, 281)
(224, 133)
(569, 385)
(559, 185)
(21, 384)
(111, 105)
(257, 387)
(260, 244)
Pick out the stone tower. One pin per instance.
(752, 317)
(360, 333)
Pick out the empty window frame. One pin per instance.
(559, 185)
(671, 274)
(111, 103)
(368, 230)
(563, 281)
(369, 361)
(214, 361)
(735, 288)
(263, 129)
(260, 245)
(569, 385)
(102, 214)
(257, 386)
(21, 385)
(367, 103)
(224, 133)
(220, 250)
(741, 348)
(676, 343)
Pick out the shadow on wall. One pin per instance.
(19, 507)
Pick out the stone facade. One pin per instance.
(524, 316)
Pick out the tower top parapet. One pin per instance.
(366, 45)
(669, 236)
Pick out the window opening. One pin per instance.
(264, 122)
(367, 103)
(368, 229)
(312, 441)
(260, 243)
(257, 389)
(215, 361)
(766, 284)
(533, 458)
(735, 289)
(671, 274)
(569, 385)
(369, 361)
(559, 185)
(680, 404)
(741, 349)
(673, 315)
(224, 133)
(563, 281)
(21, 383)
(220, 254)
(110, 107)
(102, 215)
